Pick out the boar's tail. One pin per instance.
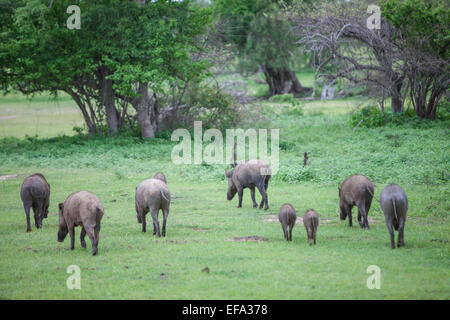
(164, 196)
(370, 192)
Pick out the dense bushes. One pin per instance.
(368, 117)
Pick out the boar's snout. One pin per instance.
(62, 235)
(342, 214)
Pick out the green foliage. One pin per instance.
(285, 98)
(368, 117)
(420, 19)
(259, 31)
(295, 173)
(212, 106)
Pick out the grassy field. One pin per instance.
(202, 223)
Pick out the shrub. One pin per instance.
(368, 117)
(210, 105)
(285, 98)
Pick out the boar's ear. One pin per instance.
(61, 206)
(228, 173)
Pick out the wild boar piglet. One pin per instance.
(287, 217)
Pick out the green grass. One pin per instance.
(202, 222)
(43, 116)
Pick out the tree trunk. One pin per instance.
(283, 80)
(396, 95)
(89, 123)
(142, 104)
(112, 117)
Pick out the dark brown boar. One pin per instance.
(83, 209)
(287, 217)
(152, 195)
(161, 177)
(311, 223)
(35, 193)
(249, 174)
(356, 190)
(394, 203)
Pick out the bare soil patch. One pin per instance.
(10, 176)
(249, 238)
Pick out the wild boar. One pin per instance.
(152, 195)
(311, 223)
(356, 190)
(161, 177)
(287, 217)
(394, 203)
(83, 209)
(249, 174)
(35, 193)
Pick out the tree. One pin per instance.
(423, 42)
(263, 39)
(123, 50)
(339, 36)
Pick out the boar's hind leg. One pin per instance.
(144, 222)
(290, 231)
(27, 206)
(154, 212)
(283, 226)
(165, 214)
(362, 210)
(391, 232)
(97, 234)
(37, 216)
(252, 190)
(349, 214)
(309, 231)
(82, 235)
(401, 227)
(90, 233)
(314, 234)
(266, 185)
(263, 192)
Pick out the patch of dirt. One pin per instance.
(10, 176)
(249, 238)
(274, 218)
(7, 117)
(177, 241)
(335, 237)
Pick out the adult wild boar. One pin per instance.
(35, 193)
(287, 217)
(249, 174)
(394, 203)
(311, 223)
(152, 195)
(83, 209)
(161, 177)
(356, 190)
